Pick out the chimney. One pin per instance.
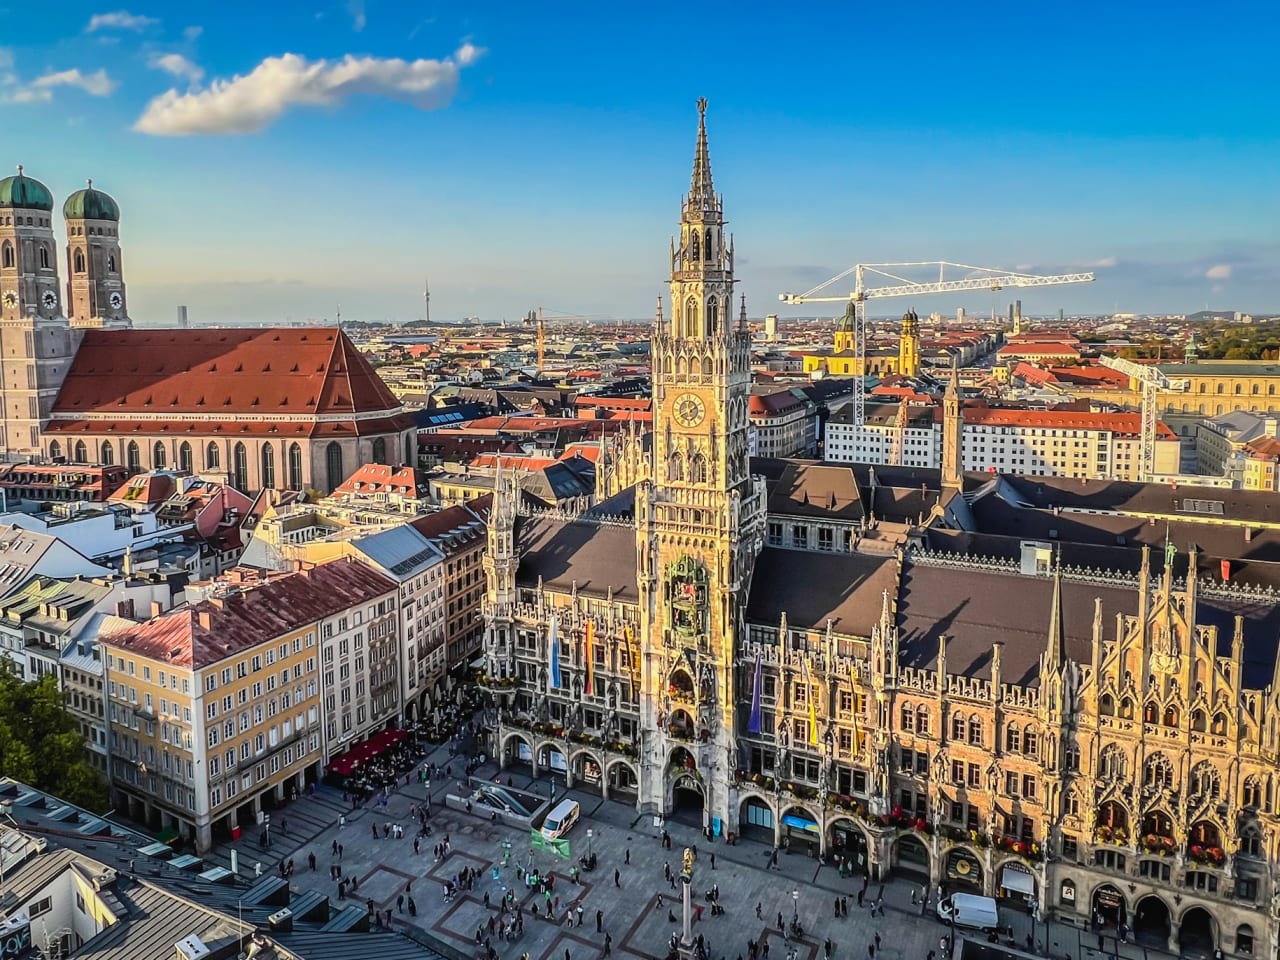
(124, 608)
(157, 607)
(1226, 570)
(206, 620)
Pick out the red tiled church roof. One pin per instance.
(302, 372)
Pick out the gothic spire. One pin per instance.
(702, 194)
(1056, 644)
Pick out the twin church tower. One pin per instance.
(41, 323)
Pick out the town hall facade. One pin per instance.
(736, 649)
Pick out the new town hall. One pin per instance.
(1056, 692)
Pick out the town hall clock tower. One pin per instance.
(699, 520)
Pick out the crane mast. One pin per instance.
(1154, 382)
(976, 278)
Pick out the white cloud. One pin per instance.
(119, 20)
(358, 18)
(40, 90)
(1104, 264)
(1219, 271)
(175, 64)
(192, 33)
(252, 102)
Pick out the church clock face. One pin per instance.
(115, 300)
(49, 299)
(10, 298)
(689, 410)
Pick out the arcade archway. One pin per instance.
(688, 799)
(1109, 908)
(1197, 934)
(846, 839)
(755, 820)
(962, 869)
(1151, 922)
(911, 858)
(552, 760)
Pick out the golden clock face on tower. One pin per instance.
(689, 410)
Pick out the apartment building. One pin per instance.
(214, 708)
(1056, 443)
(359, 654)
(786, 424)
(461, 534)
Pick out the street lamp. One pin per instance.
(795, 905)
(590, 832)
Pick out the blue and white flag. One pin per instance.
(553, 642)
(753, 722)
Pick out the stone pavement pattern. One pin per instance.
(635, 913)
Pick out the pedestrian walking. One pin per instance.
(861, 895)
(844, 906)
(826, 948)
(599, 920)
(626, 858)
(871, 951)
(400, 903)
(877, 940)
(837, 907)
(617, 878)
(759, 911)
(311, 860)
(608, 945)
(713, 861)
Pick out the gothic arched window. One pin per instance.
(55, 450)
(240, 467)
(268, 457)
(708, 251)
(693, 246)
(1171, 716)
(1205, 781)
(691, 317)
(7, 254)
(957, 727)
(975, 730)
(111, 263)
(82, 452)
(380, 450)
(333, 465)
(713, 316)
(922, 720)
(185, 463)
(1251, 794)
(295, 467)
(1158, 772)
(77, 261)
(108, 456)
(1012, 738)
(157, 456)
(698, 470)
(44, 256)
(211, 458)
(133, 456)
(1112, 763)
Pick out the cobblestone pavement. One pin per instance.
(637, 911)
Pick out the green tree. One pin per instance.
(40, 742)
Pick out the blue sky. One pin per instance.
(274, 160)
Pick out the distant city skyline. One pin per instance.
(274, 162)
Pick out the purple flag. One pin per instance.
(753, 722)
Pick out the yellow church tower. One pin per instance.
(845, 326)
(699, 519)
(909, 345)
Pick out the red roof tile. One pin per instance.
(212, 372)
(199, 634)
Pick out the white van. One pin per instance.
(969, 910)
(561, 819)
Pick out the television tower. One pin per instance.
(426, 296)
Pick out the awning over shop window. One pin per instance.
(1017, 881)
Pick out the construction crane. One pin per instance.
(537, 317)
(1154, 382)
(976, 278)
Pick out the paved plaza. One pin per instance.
(636, 913)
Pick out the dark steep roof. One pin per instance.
(975, 609)
(846, 588)
(595, 556)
